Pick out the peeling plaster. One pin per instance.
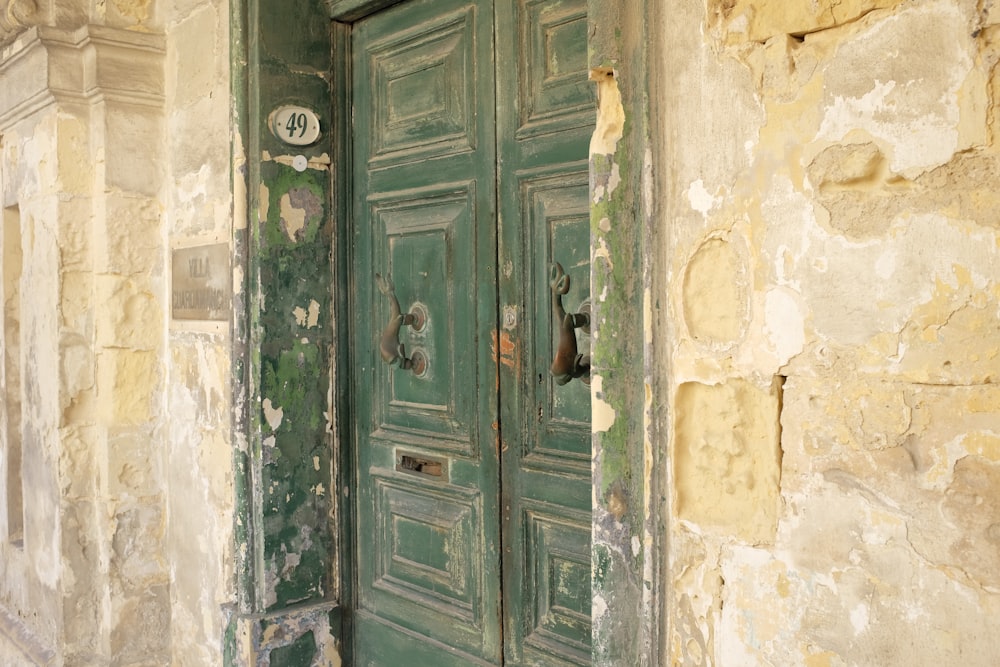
(294, 218)
(885, 100)
(602, 413)
(610, 116)
(865, 202)
(701, 200)
(272, 414)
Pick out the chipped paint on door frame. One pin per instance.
(628, 476)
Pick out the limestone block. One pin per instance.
(129, 64)
(716, 293)
(24, 77)
(75, 232)
(886, 549)
(868, 203)
(41, 371)
(132, 147)
(76, 168)
(76, 303)
(899, 302)
(201, 366)
(195, 134)
(727, 457)
(128, 314)
(136, 545)
(40, 484)
(759, 20)
(79, 463)
(76, 378)
(927, 455)
(130, 13)
(191, 44)
(84, 566)
(127, 385)
(900, 81)
(66, 13)
(131, 471)
(36, 174)
(141, 628)
(12, 655)
(695, 598)
(200, 502)
(180, 10)
(866, 604)
(129, 240)
(199, 207)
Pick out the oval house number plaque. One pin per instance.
(294, 125)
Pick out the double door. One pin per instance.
(470, 278)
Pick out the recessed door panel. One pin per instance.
(424, 540)
(423, 97)
(555, 211)
(552, 49)
(422, 240)
(557, 549)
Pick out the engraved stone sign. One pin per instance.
(201, 283)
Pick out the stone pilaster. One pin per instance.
(81, 114)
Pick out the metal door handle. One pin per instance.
(389, 346)
(568, 363)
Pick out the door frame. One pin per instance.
(272, 63)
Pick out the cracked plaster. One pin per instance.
(866, 202)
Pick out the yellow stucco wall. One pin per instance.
(115, 132)
(833, 236)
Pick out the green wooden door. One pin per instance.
(472, 510)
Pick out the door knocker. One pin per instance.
(390, 348)
(568, 362)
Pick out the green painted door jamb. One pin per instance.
(286, 572)
(628, 474)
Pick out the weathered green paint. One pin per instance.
(352, 10)
(544, 121)
(344, 463)
(299, 652)
(614, 347)
(424, 215)
(300, 637)
(281, 54)
(286, 555)
(435, 192)
(625, 553)
(241, 177)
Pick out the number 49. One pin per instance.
(296, 123)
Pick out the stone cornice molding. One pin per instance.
(45, 64)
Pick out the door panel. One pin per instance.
(427, 549)
(426, 237)
(545, 115)
(425, 535)
(473, 475)
(552, 52)
(423, 79)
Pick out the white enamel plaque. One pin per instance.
(297, 126)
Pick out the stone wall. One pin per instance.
(115, 150)
(199, 440)
(76, 101)
(834, 331)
